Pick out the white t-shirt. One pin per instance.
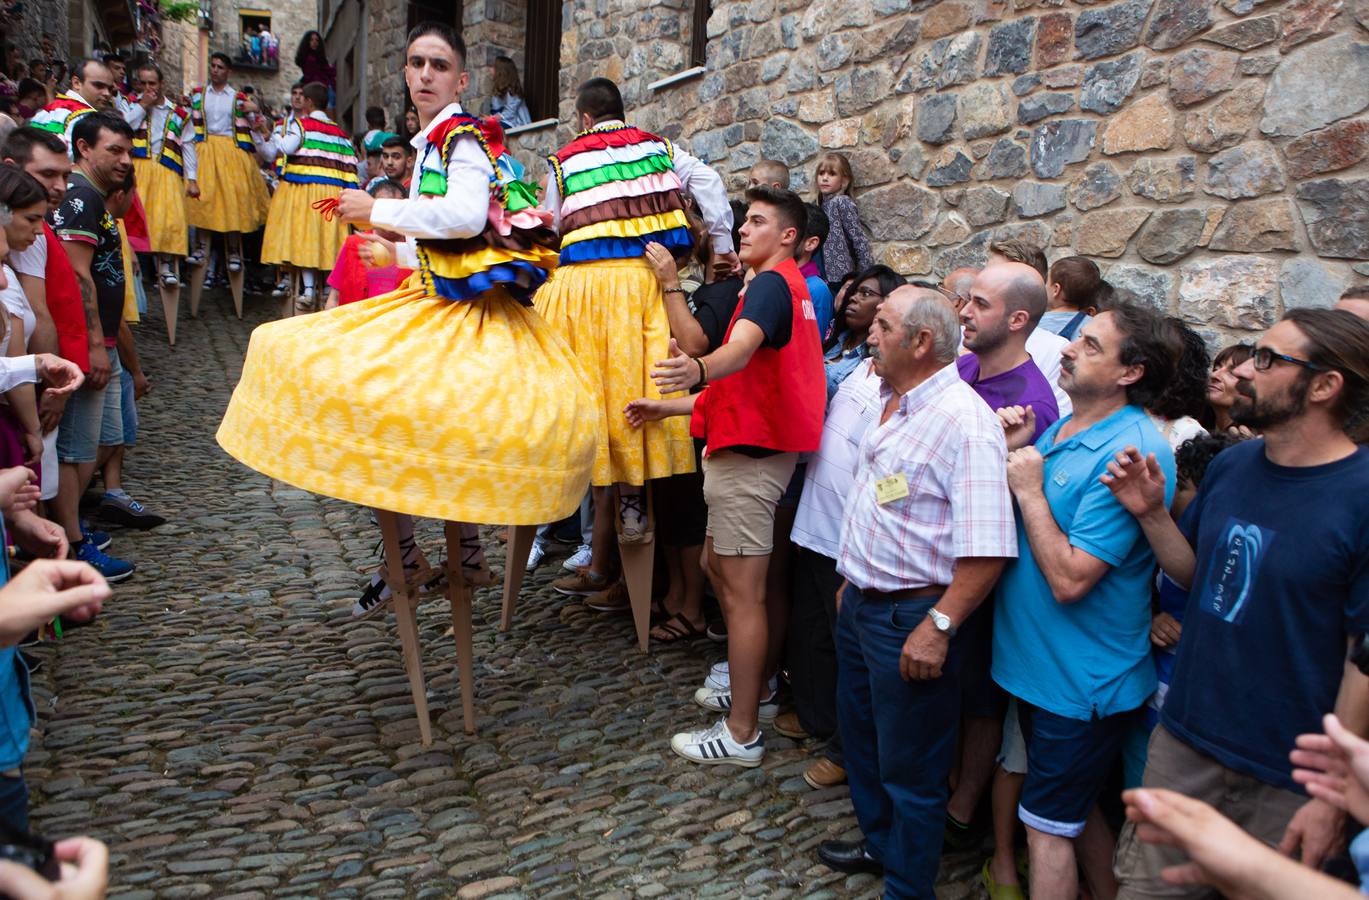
(1045, 348)
(1176, 431)
(33, 261)
(16, 303)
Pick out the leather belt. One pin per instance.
(931, 590)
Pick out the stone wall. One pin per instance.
(1210, 156)
(290, 19)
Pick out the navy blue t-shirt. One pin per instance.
(1281, 582)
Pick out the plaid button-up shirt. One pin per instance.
(949, 446)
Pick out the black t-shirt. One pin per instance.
(82, 217)
(768, 303)
(713, 305)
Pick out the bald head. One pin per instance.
(1007, 299)
(1019, 287)
(959, 282)
(1355, 301)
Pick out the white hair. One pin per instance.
(931, 311)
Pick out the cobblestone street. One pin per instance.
(228, 730)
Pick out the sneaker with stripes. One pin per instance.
(716, 746)
(721, 701)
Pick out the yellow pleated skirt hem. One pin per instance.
(612, 315)
(296, 234)
(471, 412)
(233, 196)
(163, 193)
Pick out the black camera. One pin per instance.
(31, 850)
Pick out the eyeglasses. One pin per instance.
(865, 293)
(933, 286)
(1263, 358)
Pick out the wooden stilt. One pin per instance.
(235, 280)
(287, 308)
(197, 274)
(515, 564)
(171, 305)
(459, 595)
(404, 603)
(639, 562)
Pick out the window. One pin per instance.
(698, 36)
(542, 59)
(258, 46)
(432, 11)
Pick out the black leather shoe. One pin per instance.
(848, 856)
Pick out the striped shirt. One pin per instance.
(947, 446)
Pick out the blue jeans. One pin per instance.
(14, 803)
(898, 738)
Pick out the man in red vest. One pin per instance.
(761, 406)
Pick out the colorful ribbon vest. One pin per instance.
(242, 131)
(325, 156)
(59, 115)
(171, 152)
(619, 192)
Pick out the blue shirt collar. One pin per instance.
(1097, 435)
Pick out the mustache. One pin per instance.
(1246, 389)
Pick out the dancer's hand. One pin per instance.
(376, 252)
(59, 375)
(192, 188)
(639, 412)
(355, 206)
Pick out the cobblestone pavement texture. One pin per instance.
(230, 732)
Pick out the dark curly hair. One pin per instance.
(1192, 457)
(1186, 392)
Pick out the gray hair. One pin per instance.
(5, 215)
(932, 311)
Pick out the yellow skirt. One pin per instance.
(163, 193)
(233, 195)
(296, 234)
(130, 276)
(470, 412)
(612, 314)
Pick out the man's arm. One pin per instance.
(44, 337)
(706, 187)
(1138, 483)
(81, 254)
(128, 352)
(1069, 571)
(460, 213)
(924, 652)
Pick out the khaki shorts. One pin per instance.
(742, 492)
(1261, 809)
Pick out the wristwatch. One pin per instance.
(941, 621)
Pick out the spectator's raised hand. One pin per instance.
(1025, 470)
(85, 874)
(1019, 424)
(46, 589)
(1334, 767)
(663, 264)
(1137, 482)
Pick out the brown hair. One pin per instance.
(770, 170)
(1232, 356)
(837, 162)
(1339, 340)
(1078, 277)
(1015, 250)
(506, 79)
(1356, 292)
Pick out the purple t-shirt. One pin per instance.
(1022, 386)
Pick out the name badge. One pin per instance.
(895, 487)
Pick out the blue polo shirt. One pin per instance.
(1091, 657)
(16, 703)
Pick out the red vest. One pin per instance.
(777, 401)
(64, 304)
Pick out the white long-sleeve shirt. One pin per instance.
(700, 182)
(17, 370)
(156, 131)
(461, 213)
(218, 110)
(285, 138)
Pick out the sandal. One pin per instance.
(676, 629)
(474, 567)
(169, 279)
(632, 529)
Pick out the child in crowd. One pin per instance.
(351, 279)
(847, 249)
(1071, 295)
(814, 236)
(769, 171)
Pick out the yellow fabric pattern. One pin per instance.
(612, 314)
(628, 227)
(296, 234)
(233, 195)
(130, 292)
(472, 412)
(163, 193)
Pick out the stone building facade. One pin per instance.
(289, 20)
(1211, 156)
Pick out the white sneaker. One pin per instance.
(716, 746)
(719, 678)
(536, 554)
(578, 560)
(721, 701)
